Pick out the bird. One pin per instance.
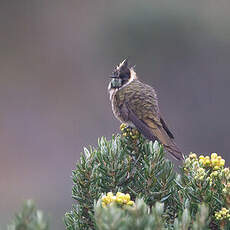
(136, 104)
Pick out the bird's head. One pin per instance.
(122, 75)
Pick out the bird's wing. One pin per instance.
(147, 123)
(139, 123)
(143, 112)
(166, 128)
(145, 116)
(152, 128)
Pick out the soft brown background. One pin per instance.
(55, 59)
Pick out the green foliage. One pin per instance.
(135, 218)
(29, 219)
(206, 183)
(141, 217)
(199, 222)
(108, 179)
(119, 165)
(198, 198)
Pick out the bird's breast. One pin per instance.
(116, 102)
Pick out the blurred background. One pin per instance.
(55, 61)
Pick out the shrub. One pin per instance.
(130, 166)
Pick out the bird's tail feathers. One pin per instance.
(174, 150)
(168, 143)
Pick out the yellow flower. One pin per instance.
(131, 203)
(222, 214)
(201, 165)
(104, 198)
(187, 161)
(129, 132)
(119, 194)
(200, 170)
(126, 198)
(108, 199)
(215, 173)
(214, 161)
(103, 204)
(219, 158)
(120, 199)
(213, 155)
(207, 161)
(192, 156)
(109, 194)
(216, 168)
(200, 174)
(222, 162)
(201, 159)
(122, 126)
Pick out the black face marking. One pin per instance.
(124, 77)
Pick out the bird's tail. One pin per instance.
(174, 150)
(168, 143)
(155, 131)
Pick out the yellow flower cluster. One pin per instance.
(215, 162)
(200, 174)
(191, 164)
(131, 132)
(123, 126)
(191, 159)
(213, 176)
(192, 156)
(120, 198)
(223, 214)
(200, 167)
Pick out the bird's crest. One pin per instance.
(123, 71)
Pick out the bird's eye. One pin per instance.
(116, 83)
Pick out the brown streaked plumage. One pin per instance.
(136, 104)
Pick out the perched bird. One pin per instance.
(135, 104)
